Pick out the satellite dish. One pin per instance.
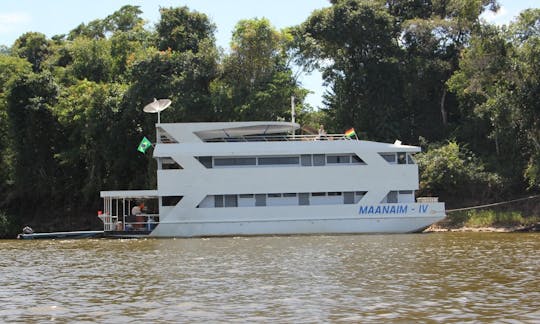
(157, 106)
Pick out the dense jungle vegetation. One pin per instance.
(427, 72)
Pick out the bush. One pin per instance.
(7, 225)
(490, 218)
(455, 174)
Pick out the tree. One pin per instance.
(256, 81)
(91, 59)
(433, 35)
(34, 47)
(88, 115)
(526, 99)
(180, 29)
(35, 135)
(11, 68)
(498, 82)
(125, 19)
(357, 42)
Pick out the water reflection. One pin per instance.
(446, 277)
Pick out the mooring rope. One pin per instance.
(490, 205)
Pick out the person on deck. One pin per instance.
(137, 211)
(322, 133)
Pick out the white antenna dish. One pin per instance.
(157, 106)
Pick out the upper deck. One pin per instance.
(238, 132)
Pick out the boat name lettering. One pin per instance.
(392, 209)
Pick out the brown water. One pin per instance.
(471, 277)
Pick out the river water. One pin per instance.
(445, 277)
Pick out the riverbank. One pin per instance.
(486, 221)
(437, 228)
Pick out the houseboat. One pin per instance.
(262, 178)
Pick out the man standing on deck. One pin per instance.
(136, 211)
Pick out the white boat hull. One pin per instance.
(313, 220)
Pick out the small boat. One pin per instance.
(61, 235)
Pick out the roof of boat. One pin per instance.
(207, 131)
(129, 194)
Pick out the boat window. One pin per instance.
(318, 194)
(169, 164)
(318, 159)
(338, 159)
(406, 196)
(274, 195)
(391, 198)
(401, 157)
(357, 160)
(206, 161)
(358, 195)
(305, 160)
(234, 161)
(303, 199)
(348, 197)
(410, 159)
(246, 196)
(289, 195)
(389, 157)
(335, 193)
(260, 200)
(165, 137)
(231, 201)
(218, 201)
(275, 160)
(170, 200)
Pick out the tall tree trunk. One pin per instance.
(444, 113)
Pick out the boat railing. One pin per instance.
(145, 222)
(109, 221)
(427, 199)
(281, 138)
(140, 222)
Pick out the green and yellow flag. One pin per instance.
(144, 145)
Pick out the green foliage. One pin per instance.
(34, 133)
(124, 20)
(91, 59)
(182, 30)
(256, 82)
(7, 225)
(359, 38)
(498, 84)
(11, 68)
(491, 218)
(34, 47)
(454, 173)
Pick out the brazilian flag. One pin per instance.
(144, 145)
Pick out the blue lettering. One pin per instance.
(389, 209)
(422, 208)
